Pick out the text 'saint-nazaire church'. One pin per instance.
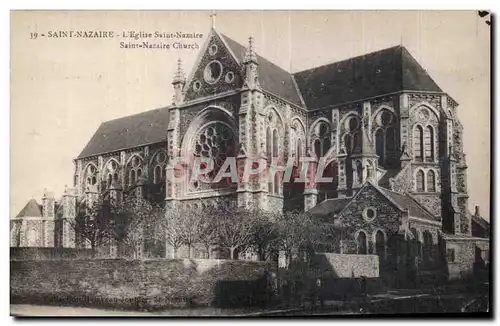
(391, 136)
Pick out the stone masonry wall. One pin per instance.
(349, 266)
(159, 283)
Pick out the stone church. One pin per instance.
(390, 137)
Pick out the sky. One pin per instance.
(63, 88)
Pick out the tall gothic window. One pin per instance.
(420, 181)
(299, 149)
(418, 141)
(429, 144)
(112, 172)
(427, 246)
(269, 143)
(134, 170)
(431, 181)
(351, 136)
(379, 144)
(380, 244)
(275, 143)
(321, 139)
(361, 243)
(160, 168)
(385, 136)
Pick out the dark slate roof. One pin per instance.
(272, 78)
(481, 222)
(385, 180)
(32, 209)
(131, 131)
(407, 202)
(377, 73)
(330, 206)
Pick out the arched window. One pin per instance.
(417, 246)
(321, 139)
(380, 144)
(275, 143)
(157, 174)
(380, 244)
(429, 144)
(317, 147)
(359, 172)
(348, 143)
(160, 167)
(132, 179)
(390, 139)
(299, 150)
(269, 143)
(326, 146)
(420, 181)
(418, 141)
(361, 242)
(427, 246)
(431, 181)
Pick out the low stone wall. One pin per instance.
(40, 253)
(348, 265)
(148, 284)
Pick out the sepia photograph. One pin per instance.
(224, 163)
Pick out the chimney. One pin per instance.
(476, 213)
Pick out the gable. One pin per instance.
(387, 218)
(374, 74)
(272, 78)
(216, 71)
(32, 209)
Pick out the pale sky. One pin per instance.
(62, 89)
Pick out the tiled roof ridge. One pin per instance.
(350, 58)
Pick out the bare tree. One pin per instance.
(134, 218)
(190, 228)
(234, 227)
(208, 235)
(264, 234)
(172, 226)
(94, 223)
(297, 232)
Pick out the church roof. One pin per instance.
(407, 202)
(480, 221)
(32, 209)
(135, 130)
(382, 72)
(272, 78)
(330, 206)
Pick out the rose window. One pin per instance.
(217, 142)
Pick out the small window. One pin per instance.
(450, 255)
(213, 49)
(196, 86)
(229, 77)
(369, 214)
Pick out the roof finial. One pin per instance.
(250, 54)
(213, 15)
(179, 76)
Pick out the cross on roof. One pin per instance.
(213, 15)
